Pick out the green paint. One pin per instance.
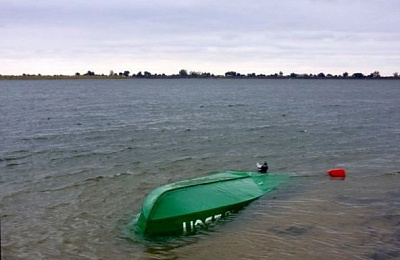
(185, 206)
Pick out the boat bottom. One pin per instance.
(191, 223)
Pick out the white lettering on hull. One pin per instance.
(192, 225)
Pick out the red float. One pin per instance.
(337, 173)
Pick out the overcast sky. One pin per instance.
(164, 36)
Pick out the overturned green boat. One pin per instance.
(183, 207)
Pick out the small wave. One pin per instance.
(88, 180)
(183, 159)
(122, 174)
(332, 105)
(379, 175)
(80, 172)
(16, 155)
(236, 105)
(129, 148)
(391, 173)
(37, 138)
(292, 231)
(258, 128)
(85, 154)
(41, 138)
(12, 165)
(65, 187)
(59, 205)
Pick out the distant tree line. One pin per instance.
(183, 73)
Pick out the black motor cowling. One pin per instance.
(263, 168)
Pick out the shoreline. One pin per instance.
(102, 77)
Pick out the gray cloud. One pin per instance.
(264, 36)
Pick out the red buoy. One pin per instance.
(337, 173)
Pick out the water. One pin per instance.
(77, 158)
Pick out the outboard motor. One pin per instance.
(262, 168)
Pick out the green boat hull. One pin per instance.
(186, 206)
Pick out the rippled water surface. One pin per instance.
(78, 157)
